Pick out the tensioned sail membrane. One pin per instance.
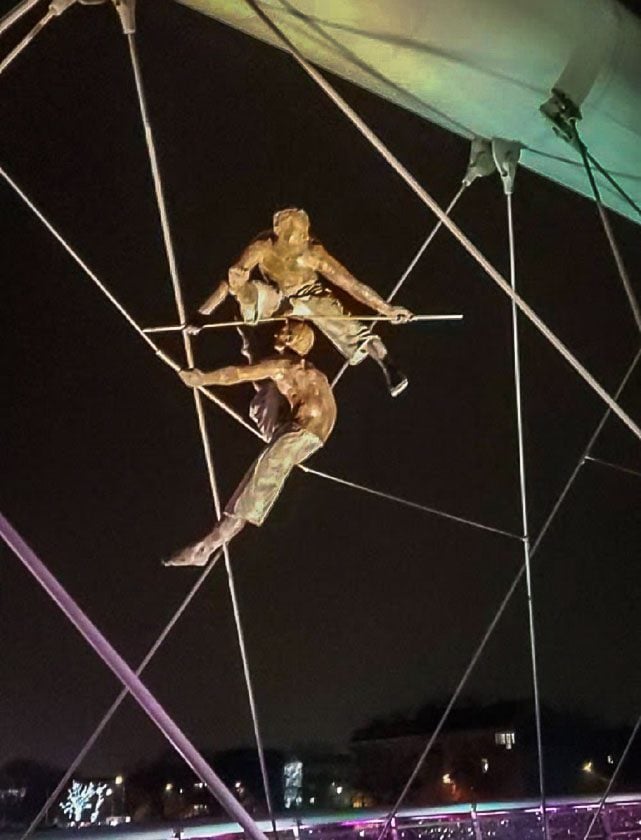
(483, 67)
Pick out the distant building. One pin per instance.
(11, 801)
(478, 758)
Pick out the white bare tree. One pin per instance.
(83, 797)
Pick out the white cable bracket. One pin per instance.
(481, 161)
(127, 13)
(57, 7)
(506, 155)
(495, 155)
(126, 10)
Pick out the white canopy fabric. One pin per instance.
(483, 68)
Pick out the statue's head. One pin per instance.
(292, 226)
(295, 335)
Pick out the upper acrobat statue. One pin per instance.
(290, 261)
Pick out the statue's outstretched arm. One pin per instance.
(234, 374)
(237, 277)
(338, 275)
(242, 268)
(215, 299)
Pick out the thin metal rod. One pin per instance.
(198, 404)
(455, 696)
(16, 13)
(506, 600)
(410, 267)
(111, 711)
(24, 43)
(145, 699)
(415, 505)
(613, 182)
(524, 515)
(607, 227)
(585, 455)
(613, 777)
(614, 466)
(116, 303)
(213, 325)
(429, 202)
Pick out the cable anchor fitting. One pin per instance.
(57, 7)
(126, 10)
(481, 161)
(506, 155)
(127, 13)
(496, 155)
(563, 114)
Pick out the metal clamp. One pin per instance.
(126, 10)
(481, 161)
(496, 155)
(563, 114)
(506, 155)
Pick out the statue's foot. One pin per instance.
(395, 378)
(194, 555)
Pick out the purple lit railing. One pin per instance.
(567, 819)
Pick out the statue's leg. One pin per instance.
(264, 480)
(352, 338)
(199, 553)
(395, 378)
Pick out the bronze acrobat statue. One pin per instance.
(311, 420)
(290, 262)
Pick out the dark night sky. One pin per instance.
(353, 606)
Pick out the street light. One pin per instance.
(119, 781)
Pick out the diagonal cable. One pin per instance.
(24, 42)
(116, 303)
(429, 202)
(524, 515)
(504, 603)
(16, 13)
(614, 183)
(111, 711)
(410, 267)
(614, 466)
(607, 227)
(408, 503)
(180, 307)
(613, 777)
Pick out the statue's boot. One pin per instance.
(396, 380)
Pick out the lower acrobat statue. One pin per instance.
(312, 418)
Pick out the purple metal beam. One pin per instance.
(138, 691)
